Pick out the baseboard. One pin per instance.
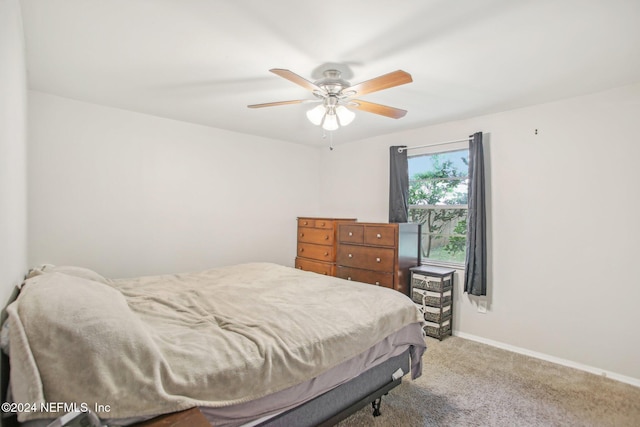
(569, 363)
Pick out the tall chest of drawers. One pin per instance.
(378, 253)
(316, 249)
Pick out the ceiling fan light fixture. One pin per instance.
(336, 93)
(330, 122)
(316, 114)
(345, 116)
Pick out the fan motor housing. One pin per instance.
(331, 82)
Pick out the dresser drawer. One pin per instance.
(351, 233)
(326, 268)
(383, 236)
(315, 235)
(324, 223)
(306, 222)
(366, 257)
(319, 252)
(365, 276)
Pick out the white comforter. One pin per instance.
(159, 344)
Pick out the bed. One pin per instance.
(249, 344)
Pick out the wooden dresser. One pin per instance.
(317, 244)
(378, 253)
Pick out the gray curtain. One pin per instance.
(475, 280)
(398, 185)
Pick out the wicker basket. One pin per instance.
(435, 316)
(436, 330)
(421, 296)
(435, 284)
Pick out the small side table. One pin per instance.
(432, 291)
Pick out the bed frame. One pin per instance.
(335, 405)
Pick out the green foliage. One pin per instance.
(439, 186)
(457, 243)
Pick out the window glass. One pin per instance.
(438, 189)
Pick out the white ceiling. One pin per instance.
(204, 61)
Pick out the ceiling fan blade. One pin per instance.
(370, 107)
(386, 81)
(273, 104)
(293, 77)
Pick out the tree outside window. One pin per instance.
(438, 190)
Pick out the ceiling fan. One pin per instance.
(337, 96)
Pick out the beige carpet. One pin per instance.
(465, 383)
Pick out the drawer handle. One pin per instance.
(378, 260)
(301, 249)
(378, 283)
(322, 224)
(350, 234)
(379, 236)
(301, 234)
(326, 237)
(348, 278)
(305, 223)
(326, 254)
(350, 255)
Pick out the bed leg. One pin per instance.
(376, 406)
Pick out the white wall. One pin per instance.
(129, 194)
(13, 143)
(563, 228)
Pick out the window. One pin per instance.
(438, 189)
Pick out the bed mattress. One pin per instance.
(227, 339)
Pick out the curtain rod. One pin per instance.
(401, 149)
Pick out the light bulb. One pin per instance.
(316, 114)
(345, 115)
(330, 122)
